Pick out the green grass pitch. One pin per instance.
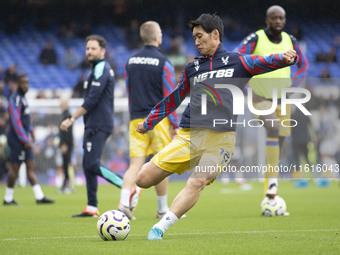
(226, 220)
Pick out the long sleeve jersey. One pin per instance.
(201, 76)
(98, 97)
(250, 43)
(149, 77)
(20, 118)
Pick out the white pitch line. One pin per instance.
(255, 232)
(182, 234)
(47, 238)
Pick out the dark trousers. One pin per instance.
(66, 162)
(94, 142)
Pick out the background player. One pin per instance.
(199, 144)
(267, 41)
(149, 78)
(98, 119)
(66, 146)
(20, 140)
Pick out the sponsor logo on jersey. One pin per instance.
(144, 61)
(222, 73)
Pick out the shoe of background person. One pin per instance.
(60, 190)
(66, 190)
(45, 200)
(85, 213)
(10, 203)
(272, 191)
(160, 215)
(126, 211)
(155, 234)
(135, 194)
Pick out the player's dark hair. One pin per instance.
(101, 40)
(21, 76)
(19, 80)
(209, 22)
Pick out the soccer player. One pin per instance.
(66, 146)
(267, 41)
(97, 110)
(203, 144)
(20, 140)
(149, 78)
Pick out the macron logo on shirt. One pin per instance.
(144, 61)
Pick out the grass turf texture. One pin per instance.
(226, 220)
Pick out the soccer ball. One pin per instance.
(273, 206)
(113, 226)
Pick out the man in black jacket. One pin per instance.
(97, 110)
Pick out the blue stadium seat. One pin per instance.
(25, 47)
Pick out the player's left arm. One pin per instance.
(302, 64)
(168, 84)
(256, 64)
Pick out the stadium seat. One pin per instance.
(24, 49)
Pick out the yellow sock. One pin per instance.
(266, 181)
(273, 158)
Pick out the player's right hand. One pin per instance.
(27, 146)
(65, 125)
(289, 56)
(33, 136)
(174, 132)
(141, 129)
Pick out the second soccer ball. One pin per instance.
(273, 206)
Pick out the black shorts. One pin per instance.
(18, 153)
